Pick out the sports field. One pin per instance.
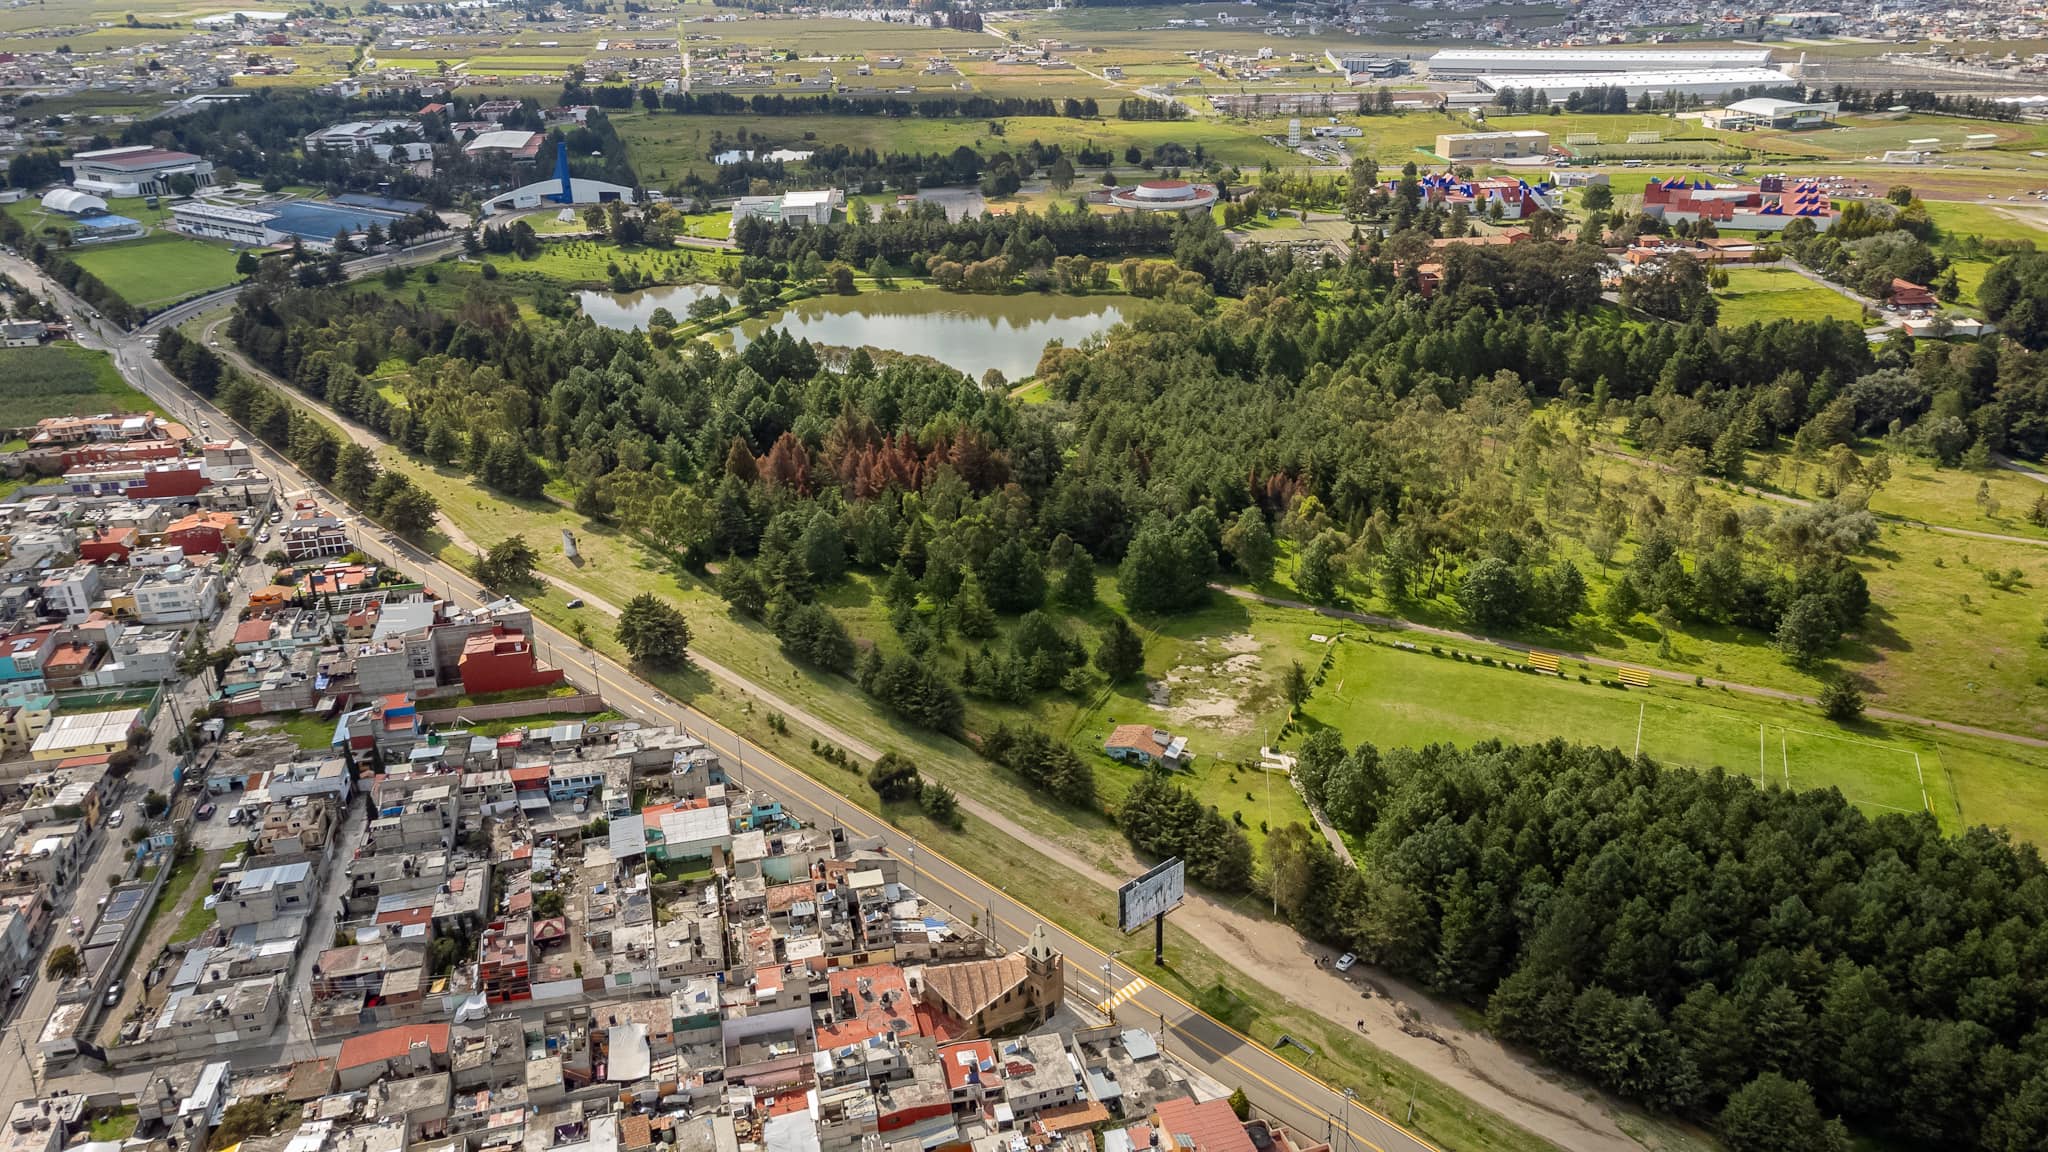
(160, 268)
(1392, 697)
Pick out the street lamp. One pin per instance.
(1350, 1094)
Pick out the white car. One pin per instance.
(114, 821)
(1345, 961)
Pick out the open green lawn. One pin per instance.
(666, 146)
(2027, 221)
(116, 1125)
(1401, 698)
(591, 262)
(63, 380)
(183, 872)
(160, 268)
(1756, 295)
(310, 732)
(1993, 500)
(31, 215)
(197, 919)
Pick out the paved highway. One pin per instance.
(1280, 1090)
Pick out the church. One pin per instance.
(987, 997)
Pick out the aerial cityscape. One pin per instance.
(1108, 576)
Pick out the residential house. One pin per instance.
(1144, 744)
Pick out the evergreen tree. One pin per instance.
(972, 616)
(653, 632)
(1121, 654)
(1077, 580)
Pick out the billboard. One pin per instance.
(1152, 895)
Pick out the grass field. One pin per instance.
(1393, 698)
(1755, 295)
(63, 380)
(311, 733)
(160, 268)
(2027, 221)
(1919, 490)
(29, 211)
(666, 146)
(591, 262)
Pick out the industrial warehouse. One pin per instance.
(1472, 63)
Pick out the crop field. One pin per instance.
(159, 269)
(1394, 698)
(63, 380)
(824, 36)
(1755, 295)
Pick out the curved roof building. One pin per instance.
(72, 202)
(1165, 196)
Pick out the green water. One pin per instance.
(967, 331)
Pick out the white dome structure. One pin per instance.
(72, 202)
(1165, 196)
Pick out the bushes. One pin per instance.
(894, 777)
(1044, 763)
(811, 633)
(1163, 819)
(911, 690)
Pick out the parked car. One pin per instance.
(114, 821)
(263, 537)
(1345, 961)
(234, 815)
(575, 602)
(205, 811)
(114, 992)
(21, 985)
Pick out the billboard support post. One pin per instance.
(1159, 940)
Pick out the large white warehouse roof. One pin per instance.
(1473, 61)
(1705, 82)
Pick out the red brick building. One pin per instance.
(111, 546)
(203, 533)
(502, 660)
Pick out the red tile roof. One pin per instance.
(1210, 1126)
(391, 1043)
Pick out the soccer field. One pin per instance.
(1395, 698)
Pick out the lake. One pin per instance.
(967, 331)
(970, 332)
(632, 309)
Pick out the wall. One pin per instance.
(583, 702)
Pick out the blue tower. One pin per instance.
(567, 195)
